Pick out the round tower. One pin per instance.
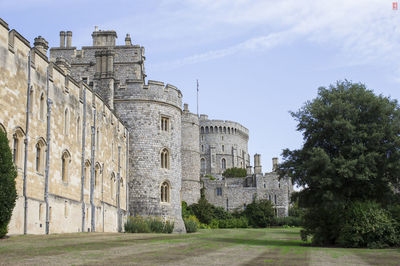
(223, 145)
(190, 157)
(152, 114)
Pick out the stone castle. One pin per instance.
(93, 142)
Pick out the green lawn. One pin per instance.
(275, 246)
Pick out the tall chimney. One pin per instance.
(257, 164)
(62, 39)
(69, 39)
(274, 164)
(185, 107)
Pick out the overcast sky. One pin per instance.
(256, 60)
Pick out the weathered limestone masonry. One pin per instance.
(64, 181)
(152, 113)
(223, 145)
(236, 193)
(190, 157)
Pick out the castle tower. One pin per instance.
(151, 112)
(223, 145)
(190, 157)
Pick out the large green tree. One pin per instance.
(8, 192)
(351, 153)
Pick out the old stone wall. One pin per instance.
(65, 147)
(237, 193)
(222, 140)
(190, 157)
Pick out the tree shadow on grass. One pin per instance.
(260, 242)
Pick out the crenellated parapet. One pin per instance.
(153, 91)
(222, 127)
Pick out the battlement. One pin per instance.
(222, 126)
(189, 117)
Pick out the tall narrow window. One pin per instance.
(112, 184)
(66, 122)
(219, 191)
(86, 174)
(275, 199)
(202, 148)
(165, 159)
(78, 130)
(203, 164)
(65, 160)
(164, 123)
(223, 163)
(206, 130)
(17, 146)
(41, 106)
(31, 100)
(202, 130)
(96, 174)
(223, 148)
(97, 139)
(40, 211)
(38, 157)
(165, 192)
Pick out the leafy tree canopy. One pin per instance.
(351, 151)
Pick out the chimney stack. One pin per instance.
(185, 107)
(69, 39)
(274, 164)
(257, 164)
(62, 39)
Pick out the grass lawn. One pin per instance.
(276, 246)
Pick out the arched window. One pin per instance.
(223, 148)
(206, 130)
(220, 129)
(165, 192)
(229, 130)
(2, 128)
(223, 163)
(241, 164)
(17, 146)
(66, 122)
(216, 129)
(165, 158)
(225, 130)
(211, 129)
(78, 129)
(41, 106)
(202, 148)
(86, 174)
(65, 161)
(203, 164)
(112, 185)
(202, 130)
(40, 149)
(97, 169)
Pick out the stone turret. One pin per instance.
(104, 38)
(41, 44)
(190, 157)
(274, 164)
(257, 164)
(128, 40)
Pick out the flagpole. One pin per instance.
(197, 97)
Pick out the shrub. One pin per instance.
(148, 225)
(8, 193)
(229, 223)
(205, 212)
(260, 213)
(367, 225)
(210, 177)
(191, 223)
(287, 221)
(235, 172)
